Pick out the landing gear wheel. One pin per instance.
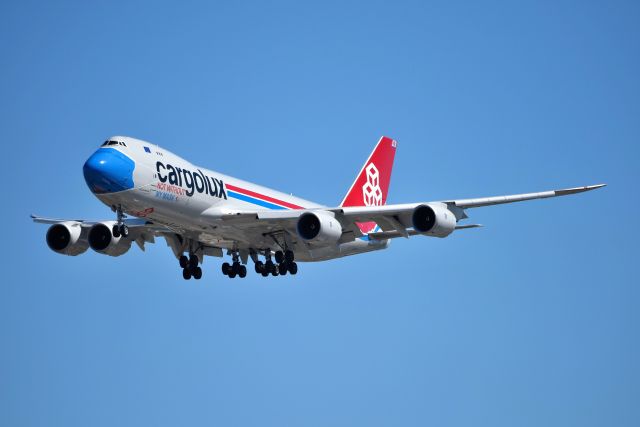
(264, 273)
(275, 271)
(288, 256)
(293, 268)
(279, 257)
(124, 230)
(115, 231)
(186, 274)
(193, 261)
(269, 266)
(259, 267)
(236, 267)
(183, 261)
(282, 268)
(226, 268)
(197, 273)
(243, 272)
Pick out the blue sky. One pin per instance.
(530, 321)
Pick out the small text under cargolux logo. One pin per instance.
(371, 191)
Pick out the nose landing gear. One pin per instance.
(119, 228)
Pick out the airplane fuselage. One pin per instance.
(150, 182)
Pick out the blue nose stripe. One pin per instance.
(108, 171)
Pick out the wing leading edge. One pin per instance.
(498, 200)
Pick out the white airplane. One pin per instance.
(201, 212)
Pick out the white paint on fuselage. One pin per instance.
(171, 207)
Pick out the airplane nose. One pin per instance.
(108, 170)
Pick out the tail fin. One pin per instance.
(372, 183)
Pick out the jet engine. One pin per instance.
(319, 227)
(434, 219)
(67, 238)
(102, 241)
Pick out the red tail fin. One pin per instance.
(372, 183)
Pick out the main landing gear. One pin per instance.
(234, 269)
(190, 267)
(284, 263)
(119, 228)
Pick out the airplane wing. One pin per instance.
(396, 221)
(364, 213)
(264, 228)
(393, 220)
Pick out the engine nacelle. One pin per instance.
(102, 241)
(319, 227)
(434, 219)
(66, 238)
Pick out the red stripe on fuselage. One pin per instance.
(262, 197)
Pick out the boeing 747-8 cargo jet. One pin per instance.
(199, 212)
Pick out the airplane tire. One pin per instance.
(289, 256)
(235, 267)
(115, 231)
(193, 261)
(259, 267)
(264, 273)
(226, 268)
(282, 268)
(243, 272)
(269, 266)
(197, 273)
(124, 230)
(279, 257)
(183, 261)
(186, 274)
(232, 274)
(293, 268)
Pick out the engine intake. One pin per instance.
(66, 238)
(434, 219)
(319, 227)
(102, 241)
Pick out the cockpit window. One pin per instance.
(104, 144)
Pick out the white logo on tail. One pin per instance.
(371, 192)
